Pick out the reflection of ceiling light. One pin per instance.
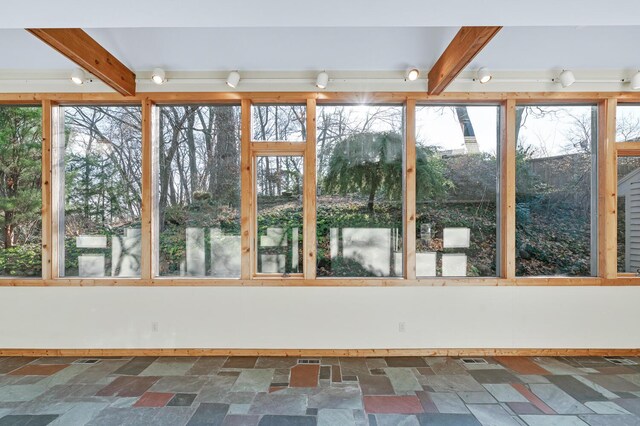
(322, 80)
(412, 74)
(158, 76)
(635, 81)
(566, 78)
(78, 76)
(483, 75)
(233, 79)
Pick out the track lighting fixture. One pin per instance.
(322, 80)
(412, 74)
(566, 78)
(483, 75)
(635, 81)
(233, 79)
(158, 76)
(78, 76)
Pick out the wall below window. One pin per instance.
(319, 318)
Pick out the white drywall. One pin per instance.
(319, 317)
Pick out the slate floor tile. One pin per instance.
(304, 376)
(209, 414)
(448, 402)
(493, 376)
(396, 420)
(124, 386)
(240, 362)
(611, 420)
(447, 420)
(28, 420)
(279, 404)
(154, 399)
(521, 365)
(38, 370)
(558, 400)
(553, 420)
(335, 417)
(376, 385)
(492, 415)
(275, 420)
(523, 408)
(576, 389)
(241, 420)
(406, 361)
(136, 366)
(392, 404)
(182, 400)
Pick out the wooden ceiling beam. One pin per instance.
(80, 48)
(466, 44)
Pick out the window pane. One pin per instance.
(279, 186)
(456, 190)
(199, 191)
(629, 214)
(359, 204)
(101, 190)
(20, 191)
(281, 123)
(555, 187)
(628, 123)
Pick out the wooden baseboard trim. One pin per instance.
(318, 352)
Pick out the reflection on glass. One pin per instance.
(629, 214)
(456, 190)
(199, 191)
(101, 186)
(359, 190)
(279, 183)
(20, 191)
(628, 123)
(279, 123)
(555, 182)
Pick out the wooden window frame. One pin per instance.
(607, 191)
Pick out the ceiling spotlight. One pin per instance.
(233, 79)
(158, 76)
(322, 80)
(412, 74)
(635, 81)
(566, 78)
(483, 75)
(78, 76)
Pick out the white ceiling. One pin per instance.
(341, 48)
(327, 13)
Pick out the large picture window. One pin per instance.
(199, 191)
(556, 190)
(99, 162)
(456, 190)
(359, 190)
(20, 191)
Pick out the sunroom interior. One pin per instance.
(343, 182)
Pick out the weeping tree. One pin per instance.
(371, 164)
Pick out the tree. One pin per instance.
(20, 174)
(371, 162)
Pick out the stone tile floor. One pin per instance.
(269, 391)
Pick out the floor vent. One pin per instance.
(86, 361)
(618, 360)
(474, 361)
(308, 361)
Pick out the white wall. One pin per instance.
(319, 317)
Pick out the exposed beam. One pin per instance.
(463, 48)
(80, 48)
